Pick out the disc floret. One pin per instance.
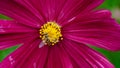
(50, 33)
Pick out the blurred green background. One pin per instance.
(114, 57)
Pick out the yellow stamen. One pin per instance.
(50, 33)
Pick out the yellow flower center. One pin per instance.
(50, 33)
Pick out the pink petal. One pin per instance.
(13, 33)
(47, 10)
(99, 30)
(10, 27)
(19, 13)
(14, 39)
(34, 7)
(58, 58)
(85, 57)
(57, 10)
(27, 56)
(72, 8)
(93, 15)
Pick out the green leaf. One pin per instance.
(5, 52)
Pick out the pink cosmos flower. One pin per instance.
(55, 33)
